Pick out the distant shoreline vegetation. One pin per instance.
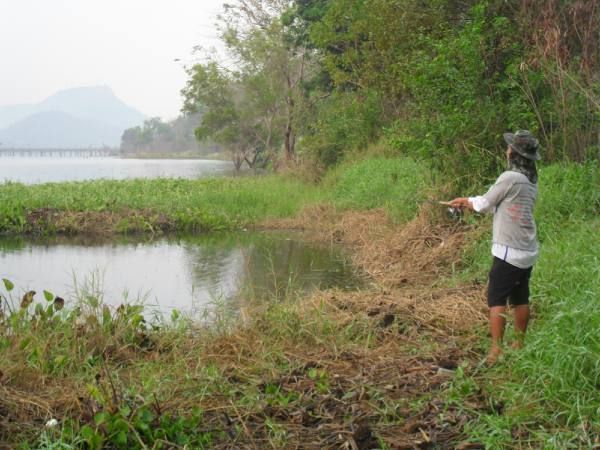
(54, 151)
(155, 138)
(188, 154)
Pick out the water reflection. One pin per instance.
(32, 170)
(188, 273)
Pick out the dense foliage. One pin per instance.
(439, 80)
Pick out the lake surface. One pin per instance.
(191, 274)
(44, 169)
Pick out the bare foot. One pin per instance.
(493, 355)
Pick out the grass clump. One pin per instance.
(397, 184)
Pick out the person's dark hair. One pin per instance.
(518, 163)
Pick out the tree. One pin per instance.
(253, 108)
(212, 92)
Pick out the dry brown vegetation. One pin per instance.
(407, 263)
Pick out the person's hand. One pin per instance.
(460, 203)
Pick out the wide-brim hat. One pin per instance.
(523, 142)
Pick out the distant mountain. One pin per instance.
(55, 129)
(13, 113)
(84, 117)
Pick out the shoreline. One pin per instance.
(191, 156)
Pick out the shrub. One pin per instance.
(397, 184)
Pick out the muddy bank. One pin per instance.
(53, 221)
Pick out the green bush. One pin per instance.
(346, 123)
(396, 184)
(458, 110)
(568, 191)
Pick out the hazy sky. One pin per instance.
(129, 45)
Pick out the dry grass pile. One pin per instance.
(27, 405)
(345, 403)
(444, 311)
(20, 407)
(417, 252)
(405, 261)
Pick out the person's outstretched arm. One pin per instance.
(488, 201)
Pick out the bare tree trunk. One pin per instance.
(289, 141)
(251, 161)
(237, 157)
(290, 137)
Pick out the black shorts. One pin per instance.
(507, 282)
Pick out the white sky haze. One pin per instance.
(129, 45)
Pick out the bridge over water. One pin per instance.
(60, 152)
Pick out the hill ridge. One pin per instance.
(96, 117)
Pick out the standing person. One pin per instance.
(514, 243)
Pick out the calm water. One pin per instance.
(32, 170)
(191, 274)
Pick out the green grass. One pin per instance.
(220, 203)
(397, 184)
(206, 204)
(551, 388)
